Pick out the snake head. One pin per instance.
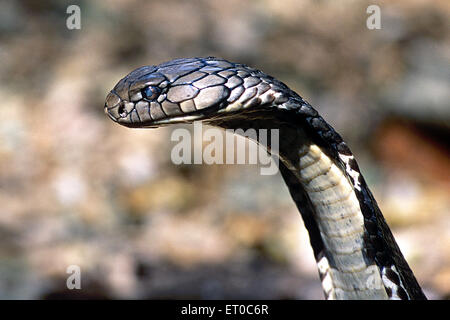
(185, 90)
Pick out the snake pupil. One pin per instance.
(150, 92)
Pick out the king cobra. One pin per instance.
(356, 253)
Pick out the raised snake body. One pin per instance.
(356, 254)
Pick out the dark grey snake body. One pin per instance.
(355, 250)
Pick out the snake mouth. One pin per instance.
(114, 114)
(108, 112)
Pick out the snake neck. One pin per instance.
(356, 254)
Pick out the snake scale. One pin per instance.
(356, 253)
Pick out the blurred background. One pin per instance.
(77, 189)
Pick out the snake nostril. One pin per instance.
(122, 111)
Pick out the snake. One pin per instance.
(356, 253)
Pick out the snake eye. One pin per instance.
(150, 92)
